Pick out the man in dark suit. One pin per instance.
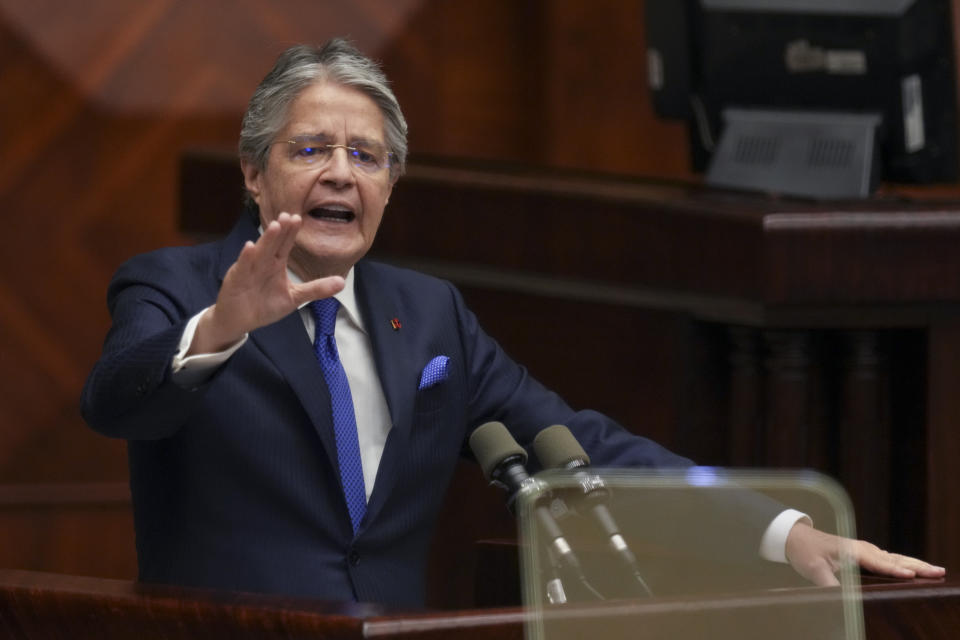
(261, 464)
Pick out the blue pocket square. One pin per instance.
(434, 372)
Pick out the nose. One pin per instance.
(338, 171)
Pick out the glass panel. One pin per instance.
(676, 555)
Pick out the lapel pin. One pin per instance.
(395, 323)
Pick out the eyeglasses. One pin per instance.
(313, 151)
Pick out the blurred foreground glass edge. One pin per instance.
(675, 554)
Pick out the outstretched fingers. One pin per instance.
(268, 255)
(876, 560)
(817, 556)
(288, 235)
(278, 238)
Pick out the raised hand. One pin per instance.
(256, 290)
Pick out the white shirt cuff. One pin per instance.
(190, 371)
(773, 545)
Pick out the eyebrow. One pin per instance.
(326, 138)
(319, 137)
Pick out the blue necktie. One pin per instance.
(344, 421)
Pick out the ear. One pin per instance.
(386, 200)
(251, 179)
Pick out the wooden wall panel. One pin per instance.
(467, 75)
(598, 115)
(75, 528)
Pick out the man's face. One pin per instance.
(341, 204)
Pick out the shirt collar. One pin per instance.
(347, 297)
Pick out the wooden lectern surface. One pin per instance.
(53, 606)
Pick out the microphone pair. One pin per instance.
(503, 463)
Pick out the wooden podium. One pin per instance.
(51, 606)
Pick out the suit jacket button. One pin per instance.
(354, 557)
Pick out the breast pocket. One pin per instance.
(432, 390)
(431, 400)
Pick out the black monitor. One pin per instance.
(881, 65)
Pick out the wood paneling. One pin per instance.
(72, 528)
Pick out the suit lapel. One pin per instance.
(287, 345)
(380, 306)
(396, 369)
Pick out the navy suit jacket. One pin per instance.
(235, 483)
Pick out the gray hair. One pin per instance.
(302, 66)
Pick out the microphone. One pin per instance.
(557, 448)
(502, 461)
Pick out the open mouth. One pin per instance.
(335, 214)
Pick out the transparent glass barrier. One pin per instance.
(617, 554)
